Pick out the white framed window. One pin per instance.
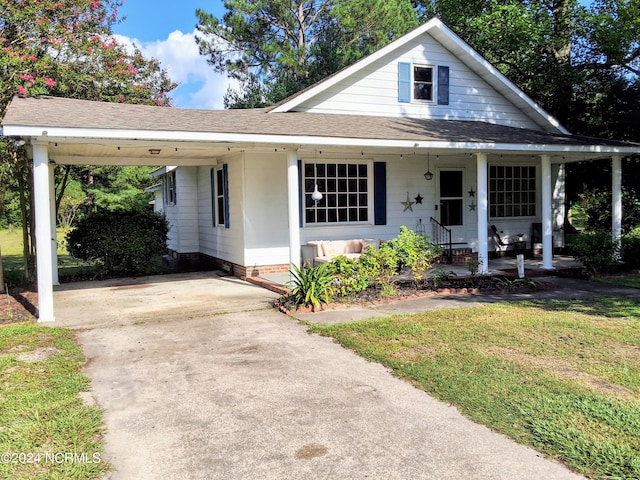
(346, 192)
(512, 191)
(423, 83)
(221, 196)
(169, 190)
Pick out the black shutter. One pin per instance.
(443, 85)
(380, 193)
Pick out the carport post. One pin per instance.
(483, 213)
(44, 258)
(294, 207)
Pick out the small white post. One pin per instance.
(547, 214)
(483, 213)
(42, 205)
(294, 208)
(616, 200)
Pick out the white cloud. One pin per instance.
(200, 87)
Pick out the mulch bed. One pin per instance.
(406, 290)
(18, 305)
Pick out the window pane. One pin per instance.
(451, 184)
(422, 91)
(512, 191)
(423, 74)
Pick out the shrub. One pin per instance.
(380, 264)
(415, 251)
(596, 251)
(349, 276)
(631, 248)
(124, 242)
(311, 286)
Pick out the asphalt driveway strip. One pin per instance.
(247, 393)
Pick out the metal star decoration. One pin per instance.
(472, 193)
(407, 204)
(418, 199)
(472, 207)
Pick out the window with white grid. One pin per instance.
(512, 191)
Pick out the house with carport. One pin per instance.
(423, 133)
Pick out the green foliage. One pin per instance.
(278, 47)
(311, 286)
(125, 242)
(596, 251)
(597, 206)
(631, 248)
(415, 251)
(439, 277)
(380, 264)
(348, 276)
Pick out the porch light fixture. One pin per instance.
(19, 143)
(428, 176)
(316, 196)
(154, 151)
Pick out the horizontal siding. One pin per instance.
(220, 242)
(374, 91)
(266, 209)
(187, 205)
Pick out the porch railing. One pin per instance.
(441, 235)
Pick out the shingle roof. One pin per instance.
(50, 112)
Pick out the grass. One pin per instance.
(41, 410)
(632, 281)
(562, 377)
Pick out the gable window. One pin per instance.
(169, 191)
(422, 83)
(512, 191)
(345, 193)
(220, 196)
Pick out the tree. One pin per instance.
(276, 48)
(66, 49)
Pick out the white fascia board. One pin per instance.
(162, 171)
(347, 72)
(257, 140)
(153, 188)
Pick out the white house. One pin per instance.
(237, 184)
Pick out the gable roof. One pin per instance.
(458, 47)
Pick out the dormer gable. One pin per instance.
(429, 73)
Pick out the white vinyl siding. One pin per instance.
(374, 91)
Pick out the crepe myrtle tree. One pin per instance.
(66, 48)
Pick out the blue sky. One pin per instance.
(164, 29)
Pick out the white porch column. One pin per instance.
(616, 198)
(42, 205)
(54, 236)
(293, 196)
(547, 214)
(483, 213)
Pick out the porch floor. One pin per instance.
(532, 266)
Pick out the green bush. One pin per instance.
(415, 251)
(124, 242)
(596, 251)
(380, 264)
(311, 286)
(349, 276)
(631, 248)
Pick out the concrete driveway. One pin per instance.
(212, 384)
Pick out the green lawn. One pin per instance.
(632, 281)
(563, 377)
(12, 259)
(46, 432)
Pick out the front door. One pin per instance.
(450, 188)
